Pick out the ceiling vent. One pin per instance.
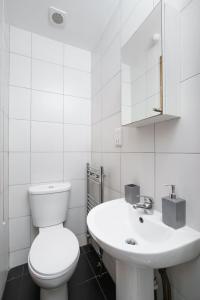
(57, 16)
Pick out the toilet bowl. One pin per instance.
(55, 251)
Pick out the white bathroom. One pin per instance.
(99, 150)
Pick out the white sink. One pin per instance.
(154, 245)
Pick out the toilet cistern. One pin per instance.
(54, 252)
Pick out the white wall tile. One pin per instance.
(96, 108)
(20, 70)
(46, 49)
(74, 214)
(139, 139)
(6, 172)
(111, 164)
(47, 76)
(1, 131)
(111, 61)
(108, 130)
(19, 135)
(137, 17)
(19, 103)
(182, 135)
(77, 110)
(96, 78)
(112, 29)
(19, 233)
(47, 107)
(96, 55)
(97, 137)
(46, 167)
(77, 83)
(127, 7)
(1, 172)
(182, 4)
(155, 2)
(185, 279)
(75, 165)
(111, 97)
(19, 168)
(138, 168)
(96, 159)
(78, 193)
(6, 133)
(20, 41)
(19, 257)
(18, 201)
(76, 137)
(46, 137)
(190, 41)
(110, 194)
(153, 81)
(77, 58)
(138, 89)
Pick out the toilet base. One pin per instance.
(60, 293)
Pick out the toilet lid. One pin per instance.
(53, 251)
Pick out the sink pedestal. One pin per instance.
(133, 282)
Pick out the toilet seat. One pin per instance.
(53, 252)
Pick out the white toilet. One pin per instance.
(55, 251)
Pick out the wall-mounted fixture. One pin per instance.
(151, 69)
(57, 16)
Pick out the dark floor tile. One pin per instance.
(87, 248)
(28, 289)
(25, 270)
(12, 289)
(15, 273)
(86, 291)
(82, 273)
(108, 286)
(94, 261)
(81, 251)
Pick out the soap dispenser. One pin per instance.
(173, 209)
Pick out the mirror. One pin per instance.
(141, 80)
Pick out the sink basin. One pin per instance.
(140, 243)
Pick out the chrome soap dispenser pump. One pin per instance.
(173, 209)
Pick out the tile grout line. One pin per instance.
(30, 174)
(63, 114)
(48, 61)
(48, 92)
(101, 289)
(96, 276)
(154, 182)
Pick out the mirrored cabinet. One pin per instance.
(150, 69)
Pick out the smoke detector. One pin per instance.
(57, 16)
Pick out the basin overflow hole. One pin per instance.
(131, 242)
(141, 220)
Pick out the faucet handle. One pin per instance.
(146, 198)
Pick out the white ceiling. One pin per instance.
(84, 24)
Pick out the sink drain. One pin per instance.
(131, 242)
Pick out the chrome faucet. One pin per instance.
(147, 204)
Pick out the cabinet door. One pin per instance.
(142, 71)
(150, 65)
